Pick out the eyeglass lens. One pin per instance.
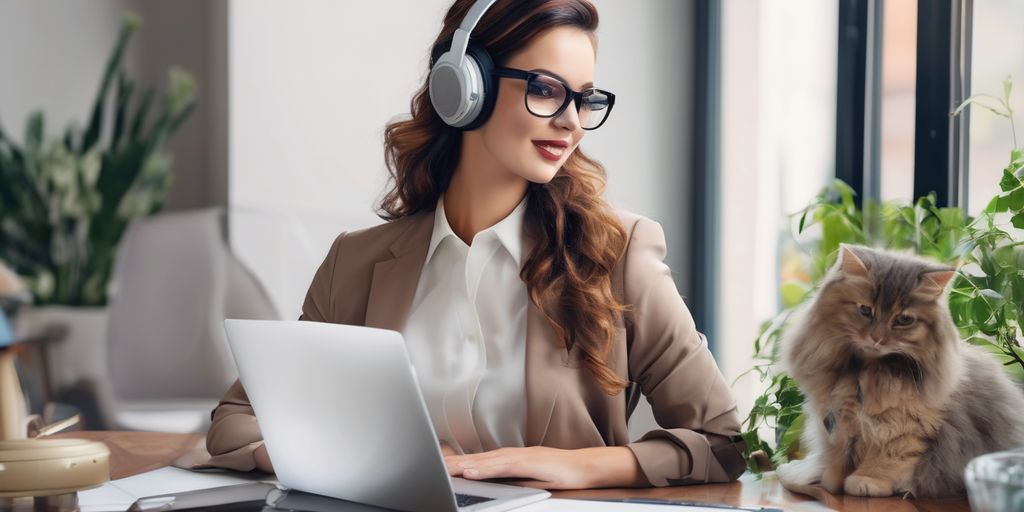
(545, 95)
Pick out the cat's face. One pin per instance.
(883, 303)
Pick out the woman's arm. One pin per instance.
(699, 440)
(553, 468)
(263, 459)
(670, 360)
(234, 435)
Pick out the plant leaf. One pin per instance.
(92, 134)
(34, 132)
(793, 293)
(1009, 181)
(1018, 221)
(1015, 201)
(124, 94)
(974, 100)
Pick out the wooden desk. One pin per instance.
(136, 452)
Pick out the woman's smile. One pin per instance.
(551, 149)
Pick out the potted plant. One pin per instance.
(986, 298)
(66, 201)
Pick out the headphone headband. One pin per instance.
(460, 40)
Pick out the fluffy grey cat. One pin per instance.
(896, 402)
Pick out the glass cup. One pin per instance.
(995, 481)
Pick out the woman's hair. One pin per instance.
(579, 238)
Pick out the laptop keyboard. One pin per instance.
(465, 500)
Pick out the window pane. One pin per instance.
(998, 51)
(778, 131)
(899, 70)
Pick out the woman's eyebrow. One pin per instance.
(556, 75)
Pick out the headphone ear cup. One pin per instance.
(479, 57)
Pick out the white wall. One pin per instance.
(312, 86)
(51, 58)
(645, 56)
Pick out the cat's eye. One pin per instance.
(904, 320)
(865, 311)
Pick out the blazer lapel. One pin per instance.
(394, 280)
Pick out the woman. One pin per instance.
(530, 309)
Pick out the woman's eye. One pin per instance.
(539, 89)
(865, 311)
(904, 320)
(596, 105)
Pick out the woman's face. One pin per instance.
(512, 134)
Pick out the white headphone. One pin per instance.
(462, 86)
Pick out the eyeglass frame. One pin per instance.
(570, 95)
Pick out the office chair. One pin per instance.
(175, 280)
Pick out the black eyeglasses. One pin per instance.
(547, 96)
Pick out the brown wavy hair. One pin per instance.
(568, 273)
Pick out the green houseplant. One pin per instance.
(986, 298)
(65, 201)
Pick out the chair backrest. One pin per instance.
(175, 280)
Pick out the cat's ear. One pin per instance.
(934, 283)
(850, 263)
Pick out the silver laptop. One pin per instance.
(342, 416)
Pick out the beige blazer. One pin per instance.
(369, 278)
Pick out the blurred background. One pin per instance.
(731, 116)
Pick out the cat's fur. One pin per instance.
(892, 408)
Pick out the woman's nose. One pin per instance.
(569, 118)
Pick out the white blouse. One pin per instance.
(466, 334)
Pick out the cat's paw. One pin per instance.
(799, 472)
(832, 481)
(860, 485)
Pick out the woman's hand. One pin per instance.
(446, 451)
(263, 459)
(552, 468)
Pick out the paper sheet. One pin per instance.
(560, 505)
(118, 495)
(107, 497)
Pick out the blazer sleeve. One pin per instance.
(699, 440)
(234, 434)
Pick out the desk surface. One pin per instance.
(136, 452)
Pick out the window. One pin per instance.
(777, 149)
(997, 52)
(899, 65)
